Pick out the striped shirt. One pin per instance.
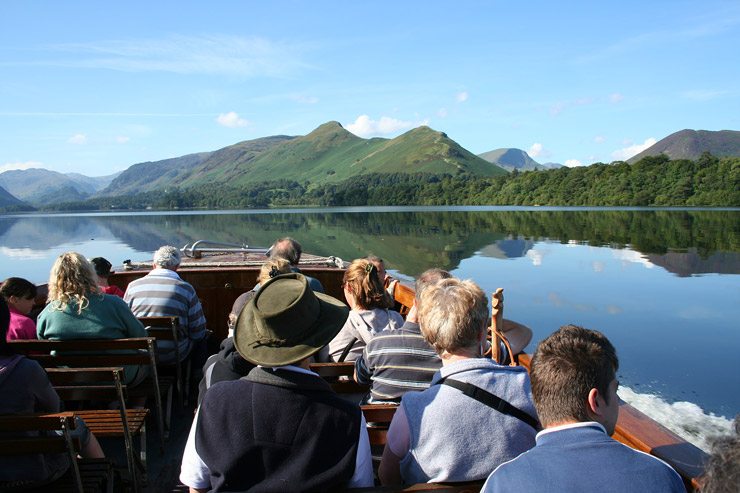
(397, 361)
(162, 293)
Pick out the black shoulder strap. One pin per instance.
(346, 350)
(491, 400)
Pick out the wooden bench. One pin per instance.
(168, 329)
(91, 353)
(90, 385)
(50, 434)
(340, 376)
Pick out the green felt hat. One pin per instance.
(286, 322)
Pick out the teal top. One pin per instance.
(105, 317)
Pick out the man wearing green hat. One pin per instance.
(280, 428)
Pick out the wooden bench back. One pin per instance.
(88, 352)
(42, 443)
(340, 376)
(378, 418)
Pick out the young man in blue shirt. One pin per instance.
(574, 387)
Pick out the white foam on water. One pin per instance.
(685, 419)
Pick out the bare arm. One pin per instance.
(389, 471)
(198, 490)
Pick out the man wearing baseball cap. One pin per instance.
(280, 428)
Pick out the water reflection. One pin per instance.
(683, 242)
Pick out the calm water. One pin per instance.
(664, 285)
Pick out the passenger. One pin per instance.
(78, 310)
(25, 389)
(291, 250)
(102, 269)
(269, 269)
(723, 469)
(228, 364)
(458, 430)
(280, 428)
(400, 360)
(20, 296)
(575, 390)
(162, 293)
(370, 312)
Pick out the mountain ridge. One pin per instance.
(691, 144)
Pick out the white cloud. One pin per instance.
(557, 108)
(701, 95)
(303, 99)
(213, 55)
(631, 150)
(461, 97)
(78, 139)
(122, 139)
(21, 166)
(442, 113)
(616, 98)
(363, 126)
(23, 253)
(231, 120)
(572, 163)
(535, 150)
(599, 139)
(536, 256)
(632, 257)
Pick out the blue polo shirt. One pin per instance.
(581, 457)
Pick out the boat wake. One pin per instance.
(685, 419)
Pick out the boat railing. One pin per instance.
(198, 248)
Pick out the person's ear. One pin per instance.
(595, 403)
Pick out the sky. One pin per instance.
(94, 87)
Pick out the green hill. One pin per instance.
(40, 186)
(329, 154)
(691, 144)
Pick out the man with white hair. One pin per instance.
(162, 293)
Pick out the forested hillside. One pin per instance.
(653, 181)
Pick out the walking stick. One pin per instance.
(497, 329)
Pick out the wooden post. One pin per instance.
(497, 323)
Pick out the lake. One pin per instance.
(662, 284)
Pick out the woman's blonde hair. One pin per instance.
(72, 277)
(453, 314)
(366, 286)
(272, 268)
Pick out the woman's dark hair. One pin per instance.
(17, 286)
(4, 323)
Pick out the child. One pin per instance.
(20, 296)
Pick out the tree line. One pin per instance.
(653, 181)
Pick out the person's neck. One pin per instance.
(459, 355)
(103, 282)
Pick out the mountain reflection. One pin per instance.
(684, 242)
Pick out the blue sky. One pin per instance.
(94, 87)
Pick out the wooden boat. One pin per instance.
(221, 275)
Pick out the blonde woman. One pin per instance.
(77, 309)
(370, 312)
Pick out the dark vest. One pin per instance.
(277, 431)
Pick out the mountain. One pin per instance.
(511, 159)
(328, 154)
(552, 165)
(690, 144)
(41, 186)
(94, 183)
(8, 202)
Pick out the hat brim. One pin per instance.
(332, 316)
